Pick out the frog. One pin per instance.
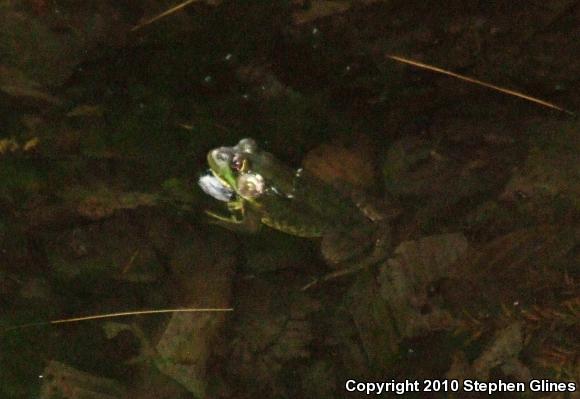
(259, 190)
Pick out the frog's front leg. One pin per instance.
(240, 218)
(380, 249)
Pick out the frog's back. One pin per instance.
(299, 203)
(311, 209)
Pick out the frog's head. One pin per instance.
(230, 172)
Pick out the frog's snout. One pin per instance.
(221, 154)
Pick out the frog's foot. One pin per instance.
(223, 220)
(237, 222)
(379, 253)
(368, 262)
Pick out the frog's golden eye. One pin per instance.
(250, 186)
(240, 163)
(247, 145)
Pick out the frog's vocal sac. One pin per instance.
(258, 189)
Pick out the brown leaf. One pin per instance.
(189, 338)
(320, 9)
(504, 349)
(406, 278)
(334, 163)
(397, 304)
(513, 267)
(16, 84)
(63, 381)
(104, 204)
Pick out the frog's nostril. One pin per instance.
(425, 309)
(513, 196)
(521, 195)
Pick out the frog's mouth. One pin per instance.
(216, 187)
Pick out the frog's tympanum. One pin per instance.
(258, 189)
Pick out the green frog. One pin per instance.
(260, 190)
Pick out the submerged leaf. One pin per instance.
(66, 382)
(551, 170)
(320, 9)
(105, 203)
(407, 277)
(503, 350)
(520, 267)
(397, 304)
(335, 163)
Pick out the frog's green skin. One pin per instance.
(290, 201)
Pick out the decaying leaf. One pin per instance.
(264, 82)
(30, 144)
(275, 334)
(503, 351)
(397, 304)
(14, 83)
(320, 9)
(552, 169)
(86, 110)
(105, 203)
(47, 49)
(66, 382)
(334, 163)
(518, 267)
(521, 280)
(8, 146)
(189, 338)
(374, 322)
(406, 279)
(417, 167)
(185, 347)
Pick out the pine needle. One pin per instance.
(119, 314)
(163, 14)
(480, 83)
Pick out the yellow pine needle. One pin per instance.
(478, 82)
(121, 314)
(164, 14)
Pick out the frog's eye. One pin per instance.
(250, 185)
(240, 163)
(247, 145)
